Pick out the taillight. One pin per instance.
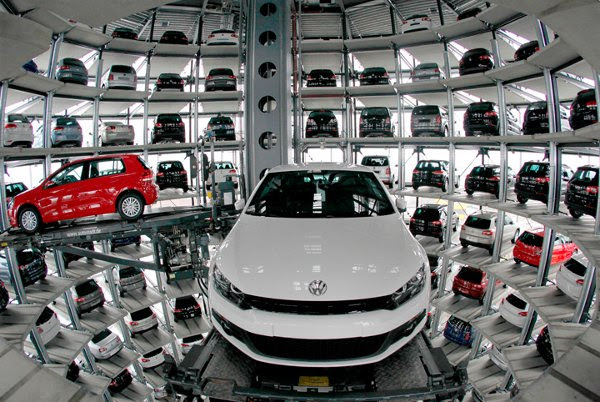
(111, 77)
(112, 127)
(579, 281)
(79, 299)
(133, 323)
(488, 233)
(436, 223)
(361, 121)
(64, 68)
(232, 77)
(181, 124)
(361, 76)
(40, 330)
(592, 190)
(523, 313)
(436, 70)
(591, 103)
(386, 75)
(415, 171)
(484, 57)
(160, 174)
(181, 82)
(490, 114)
(159, 81)
(159, 125)
(182, 172)
(494, 178)
(58, 128)
(310, 122)
(309, 77)
(463, 227)
(234, 35)
(102, 349)
(184, 345)
(145, 360)
(153, 315)
(438, 119)
(233, 171)
(542, 179)
(177, 310)
(387, 171)
(412, 220)
(210, 77)
(10, 125)
(438, 172)
(211, 36)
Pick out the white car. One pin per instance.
(381, 166)
(222, 37)
(121, 77)
(417, 22)
(570, 277)
(479, 230)
(188, 342)
(498, 358)
(152, 359)
(514, 309)
(105, 345)
(115, 133)
(223, 171)
(141, 321)
(47, 325)
(18, 131)
(316, 298)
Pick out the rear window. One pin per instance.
(72, 62)
(141, 314)
(375, 111)
(169, 75)
(428, 214)
(86, 287)
(429, 165)
(326, 73)
(537, 106)
(379, 70)
(477, 222)
(485, 171)
(100, 336)
(587, 176)
(17, 118)
(426, 66)
(576, 267)
(66, 121)
(166, 166)
(220, 120)
(193, 338)
(531, 239)
(143, 162)
(154, 352)
(516, 301)
(470, 274)
(423, 110)
(45, 316)
(26, 256)
(375, 161)
(122, 69)
(186, 301)
(481, 107)
(534, 169)
(168, 118)
(321, 114)
(224, 165)
(129, 272)
(221, 71)
(218, 31)
(476, 51)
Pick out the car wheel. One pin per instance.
(415, 186)
(121, 293)
(445, 132)
(29, 220)
(516, 236)
(185, 189)
(517, 261)
(491, 250)
(464, 244)
(521, 199)
(575, 214)
(441, 239)
(112, 249)
(130, 206)
(480, 301)
(470, 192)
(445, 186)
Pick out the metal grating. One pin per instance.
(323, 25)
(373, 20)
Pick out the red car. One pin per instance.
(87, 187)
(470, 282)
(528, 248)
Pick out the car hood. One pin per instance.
(356, 257)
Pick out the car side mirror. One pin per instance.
(401, 204)
(239, 204)
(49, 184)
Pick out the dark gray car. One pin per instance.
(429, 120)
(72, 70)
(87, 296)
(65, 132)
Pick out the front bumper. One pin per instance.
(280, 338)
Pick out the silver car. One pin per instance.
(105, 345)
(381, 166)
(429, 120)
(65, 132)
(114, 133)
(18, 131)
(141, 321)
(570, 277)
(121, 77)
(479, 230)
(129, 279)
(426, 71)
(88, 296)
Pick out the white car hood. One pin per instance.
(356, 257)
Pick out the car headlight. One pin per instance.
(228, 290)
(411, 288)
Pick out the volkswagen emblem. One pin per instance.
(317, 287)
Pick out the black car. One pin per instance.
(321, 123)
(321, 78)
(72, 70)
(169, 81)
(582, 192)
(544, 347)
(429, 120)
(583, 109)
(220, 79)
(168, 126)
(73, 371)
(374, 76)
(485, 178)
(221, 128)
(475, 61)
(431, 220)
(432, 173)
(535, 120)
(533, 179)
(69, 257)
(120, 382)
(481, 118)
(471, 12)
(13, 189)
(375, 122)
(124, 33)
(3, 296)
(526, 50)
(171, 174)
(31, 265)
(185, 307)
(124, 241)
(174, 37)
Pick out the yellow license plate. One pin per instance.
(313, 381)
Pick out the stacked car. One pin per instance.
(528, 248)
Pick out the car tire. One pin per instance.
(415, 187)
(575, 214)
(491, 250)
(130, 143)
(469, 192)
(29, 219)
(464, 244)
(112, 249)
(521, 199)
(130, 206)
(441, 239)
(445, 133)
(517, 261)
(185, 189)
(445, 186)
(516, 236)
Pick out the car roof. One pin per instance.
(433, 206)
(319, 166)
(92, 158)
(485, 214)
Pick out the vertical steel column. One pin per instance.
(57, 39)
(4, 224)
(95, 139)
(587, 295)
(47, 132)
(196, 105)
(597, 89)
(346, 119)
(553, 103)
(399, 120)
(146, 88)
(297, 84)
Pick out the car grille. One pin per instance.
(320, 349)
(320, 308)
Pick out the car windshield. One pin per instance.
(428, 165)
(45, 316)
(98, 337)
(192, 338)
(576, 267)
(531, 239)
(375, 161)
(320, 194)
(423, 110)
(587, 175)
(477, 222)
(516, 301)
(154, 352)
(141, 314)
(17, 118)
(375, 111)
(428, 214)
(470, 274)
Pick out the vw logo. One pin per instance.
(317, 287)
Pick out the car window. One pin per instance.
(508, 221)
(143, 162)
(168, 166)
(17, 118)
(535, 169)
(106, 167)
(428, 214)
(586, 175)
(428, 165)
(221, 71)
(122, 69)
(86, 287)
(141, 314)
(425, 110)
(224, 165)
(477, 222)
(558, 241)
(186, 301)
(531, 239)
(375, 111)
(320, 194)
(66, 121)
(470, 274)
(101, 335)
(516, 301)
(71, 174)
(375, 161)
(14, 189)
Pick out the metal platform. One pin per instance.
(550, 303)
(525, 363)
(499, 331)
(219, 370)
(134, 392)
(95, 320)
(65, 346)
(113, 366)
(151, 340)
(140, 298)
(484, 375)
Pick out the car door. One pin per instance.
(104, 185)
(59, 197)
(559, 251)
